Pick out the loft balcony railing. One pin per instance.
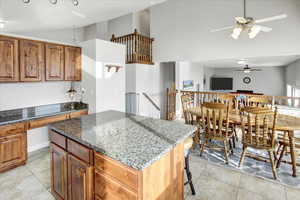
(138, 48)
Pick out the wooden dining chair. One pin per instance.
(284, 148)
(187, 103)
(215, 120)
(258, 129)
(259, 101)
(233, 104)
(227, 99)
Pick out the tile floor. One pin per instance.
(212, 182)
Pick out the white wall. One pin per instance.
(144, 79)
(270, 81)
(189, 71)
(293, 74)
(62, 36)
(182, 30)
(105, 90)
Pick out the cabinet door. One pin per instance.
(31, 60)
(72, 64)
(80, 179)
(13, 151)
(9, 60)
(58, 172)
(54, 62)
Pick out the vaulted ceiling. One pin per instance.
(42, 15)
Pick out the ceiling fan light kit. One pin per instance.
(249, 25)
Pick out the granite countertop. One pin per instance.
(24, 114)
(135, 141)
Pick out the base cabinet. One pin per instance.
(102, 178)
(13, 143)
(58, 172)
(80, 179)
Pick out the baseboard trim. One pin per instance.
(38, 147)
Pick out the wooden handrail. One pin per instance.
(201, 96)
(138, 47)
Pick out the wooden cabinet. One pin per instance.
(31, 60)
(80, 179)
(9, 60)
(54, 62)
(72, 63)
(108, 188)
(37, 123)
(59, 184)
(13, 146)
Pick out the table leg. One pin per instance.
(293, 153)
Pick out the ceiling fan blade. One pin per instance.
(222, 29)
(268, 19)
(239, 70)
(265, 28)
(257, 70)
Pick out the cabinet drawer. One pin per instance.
(121, 172)
(110, 189)
(78, 113)
(58, 139)
(45, 121)
(80, 151)
(12, 129)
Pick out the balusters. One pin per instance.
(138, 47)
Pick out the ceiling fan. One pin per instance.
(250, 25)
(248, 70)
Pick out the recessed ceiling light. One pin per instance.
(26, 1)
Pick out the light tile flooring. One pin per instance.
(32, 182)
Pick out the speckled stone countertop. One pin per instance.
(133, 140)
(24, 114)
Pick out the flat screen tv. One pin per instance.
(218, 83)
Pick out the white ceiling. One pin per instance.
(41, 15)
(275, 61)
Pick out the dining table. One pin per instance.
(285, 123)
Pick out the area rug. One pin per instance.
(252, 166)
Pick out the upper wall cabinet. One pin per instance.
(72, 63)
(9, 60)
(31, 60)
(54, 62)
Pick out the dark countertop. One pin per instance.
(25, 114)
(135, 141)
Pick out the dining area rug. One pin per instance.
(250, 165)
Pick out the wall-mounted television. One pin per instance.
(221, 83)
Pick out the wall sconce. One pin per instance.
(109, 67)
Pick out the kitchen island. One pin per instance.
(113, 155)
